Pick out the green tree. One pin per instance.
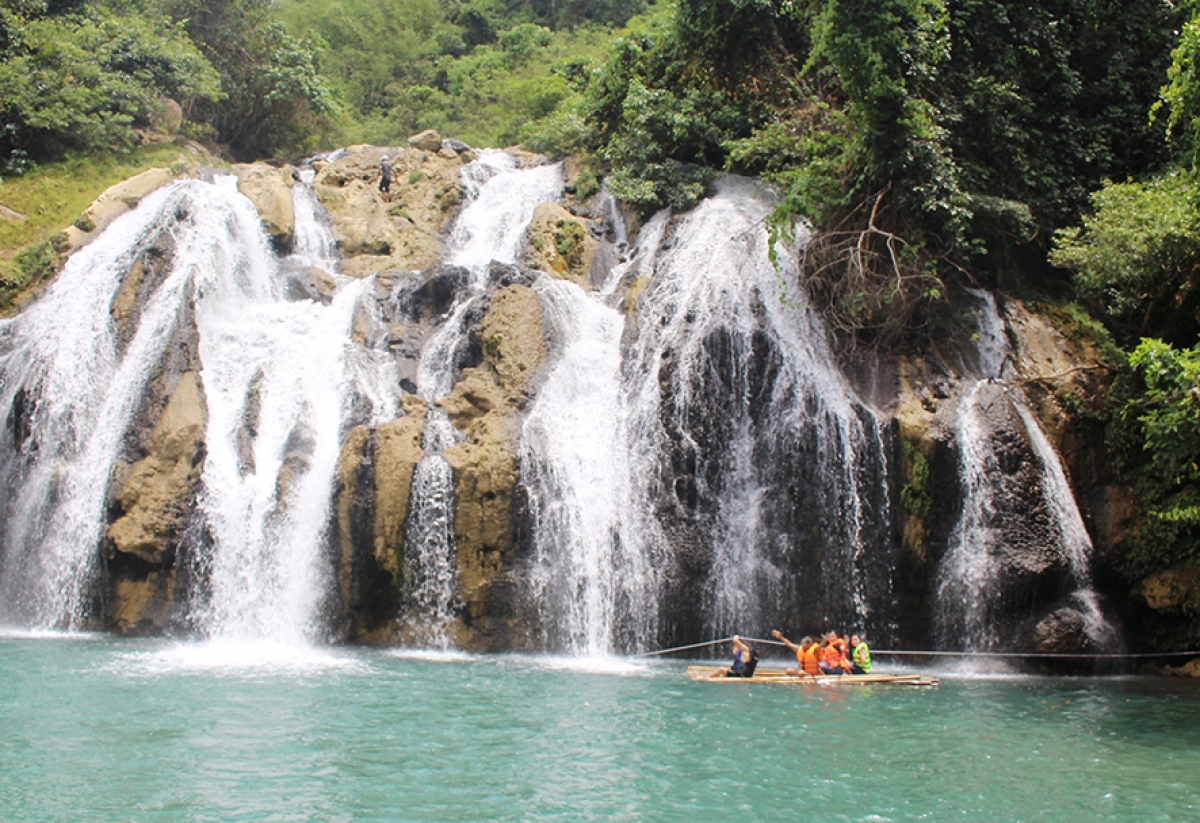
(276, 99)
(81, 82)
(1181, 94)
(1137, 257)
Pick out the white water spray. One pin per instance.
(274, 378)
(969, 578)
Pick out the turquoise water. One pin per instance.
(95, 729)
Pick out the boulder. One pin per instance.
(171, 117)
(10, 216)
(1173, 588)
(561, 243)
(428, 140)
(122, 197)
(145, 606)
(313, 284)
(1189, 669)
(375, 234)
(270, 190)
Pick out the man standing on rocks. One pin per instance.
(385, 178)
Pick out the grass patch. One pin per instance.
(52, 195)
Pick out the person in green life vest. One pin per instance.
(860, 656)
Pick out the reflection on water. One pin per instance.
(213, 733)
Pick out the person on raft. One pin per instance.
(860, 655)
(385, 177)
(806, 655)
(745, 661)
(833, 655)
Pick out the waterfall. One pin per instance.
(277, 381)
(289, 371)
(721, 444)
(67, 371)
(314, 244)
(971, 579)
(970, 570)
(743, 395)
(501, 199)
(575, 467)
(692, 462)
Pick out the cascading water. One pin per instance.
(752, 441)
(500, 203)
(722, 446)
(574, 465)
(277, 381)
(971, 577)
(697, 462)
(283, 365)
(70, 383)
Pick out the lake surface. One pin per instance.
(97, 729)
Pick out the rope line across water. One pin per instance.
(908, 653)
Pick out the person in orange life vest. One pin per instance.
(833, 658)
(806, 655)
(745, 661)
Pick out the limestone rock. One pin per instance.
(155, 496)
(561, 243)
(374, 479)
(270, 190)
(11, 216)
(428, 140)
(122, 197)
(398, 451)
(143, 607)
(636, 289)
(1189, 669)
(375, 234)
(171, 117)
(1173, 588)
(312, 284)
(484, 404)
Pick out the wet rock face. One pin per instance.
(152, 496)
(485, 404)
(495, 370)
(374, 479)
(403, 230)
(270, 190)
(562, 244)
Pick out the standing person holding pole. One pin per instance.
(385, 178)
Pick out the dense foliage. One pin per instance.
(1137, 258)
(1154, 438)
(929, 141)
(478, 71)
(81, 79)
(82, 75)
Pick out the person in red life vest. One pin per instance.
(806, 655)
(745, 661)
(833, 655)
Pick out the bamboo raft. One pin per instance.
(704, 674)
